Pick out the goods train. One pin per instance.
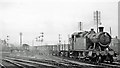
(88, 45)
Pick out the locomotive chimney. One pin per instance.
(92, 29)
(101, 29)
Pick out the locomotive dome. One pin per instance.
(77, 32)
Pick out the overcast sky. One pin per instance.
(53, 17)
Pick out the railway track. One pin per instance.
(100, 65)
(52, 63)
(62, 64)
(20, 64)
(105, 64)
(65, 63)
(30, 64)
(8, 64)
(48, 63)
(2, 66)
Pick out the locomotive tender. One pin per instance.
(89, 45)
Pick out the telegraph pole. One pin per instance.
(80, 26)
(59, 41)
(20, 38)
(59, 38)
(97, 18)
(7, 40)
(41, 37)
(68, 42)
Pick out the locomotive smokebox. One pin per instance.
(101, 29)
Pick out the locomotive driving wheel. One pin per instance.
(98, 59)
(111, 60)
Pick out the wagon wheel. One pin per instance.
(102, 59)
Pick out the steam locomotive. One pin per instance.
(88, 45)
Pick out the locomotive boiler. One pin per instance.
(90, 45)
